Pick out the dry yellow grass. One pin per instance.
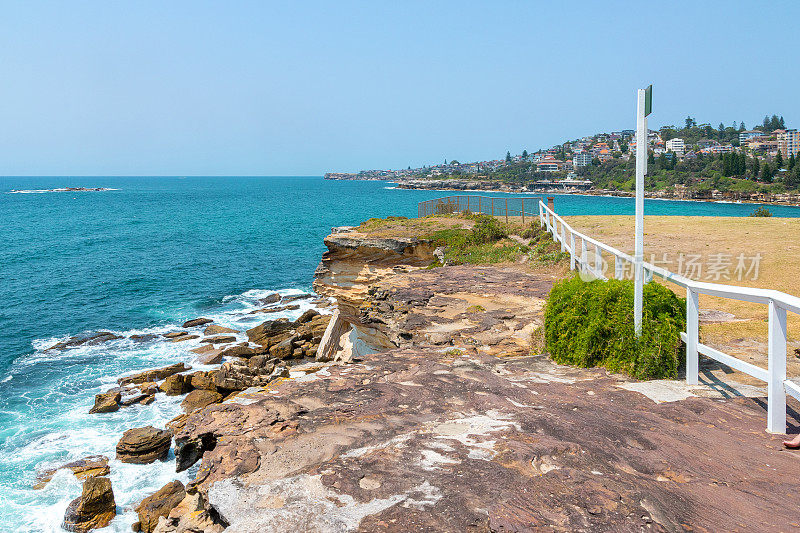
(777, 240)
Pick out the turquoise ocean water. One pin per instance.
(142, 259)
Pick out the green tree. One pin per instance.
(721, 128)
(651, 160)
(690, 122)
(525, 155)
(779, 161)
(766, 173)
(741, 126)
(792, 162)
(766, 123)
(508, 157)
(756, 164)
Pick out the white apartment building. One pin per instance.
(583, 159)
(676, 145)
(789, 143)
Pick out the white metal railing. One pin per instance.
(778, 302)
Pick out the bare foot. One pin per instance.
(794, 443)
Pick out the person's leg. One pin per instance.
(794, 443)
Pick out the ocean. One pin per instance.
(142, 258)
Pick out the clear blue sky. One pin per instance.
(300, 88)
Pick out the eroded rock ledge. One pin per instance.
(433, 426)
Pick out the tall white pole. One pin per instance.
(641, 169)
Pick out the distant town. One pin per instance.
(692, 161)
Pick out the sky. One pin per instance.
(303, 88)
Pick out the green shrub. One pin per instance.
(591, 324)
(761, 212)
(486, 230)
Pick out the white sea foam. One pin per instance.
(53, 426)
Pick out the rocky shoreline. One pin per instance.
(423, 403)
(466, 185)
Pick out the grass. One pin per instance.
(775, 239)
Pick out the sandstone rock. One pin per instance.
(88, 340)
(147, 337)
(132, 396)
(278, 309)
(94, 509)
(270, 299)
(214, 357)
(258, 371)
(196, 322)
(295, 297)
(175, 334)
(154, 375)
(203, 380)
(238, 351)
(176, 384)
(192, 514)
(203, 348)
(144, 445)
(264, 333)
(283, 350)
(222, 339)
(177, 423)
(91, 466)
(159, 504)
(183, 338)
(197, 399)
(106, 402)
(307, 316)
(215, 329)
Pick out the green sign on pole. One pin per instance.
(648, 100)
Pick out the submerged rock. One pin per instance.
(270, 299)
(95, 508)
(157, 505)
(91, 466)
(197, 322)
(144, 445)
(89, 340)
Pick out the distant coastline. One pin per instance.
(472, 185)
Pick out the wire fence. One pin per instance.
(525, 207)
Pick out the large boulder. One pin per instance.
(238, 351)
(203, 380)
(307, 316)
(257, 372)
(107, 402)
(95, 508)
(215, 329)
(156, 374)
(176, 384)
(212, 357)
(197, 399)
(270, 299)
(197, 322)
(284, 349)
(157, 505)
(91, 466)
(265, 334)
(144, 445)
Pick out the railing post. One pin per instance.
(692, 336)
(571, 250)
(555, 228)
(776, 390)
(618, 267)
(598, 261)
(563, 237)
(584, 256)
